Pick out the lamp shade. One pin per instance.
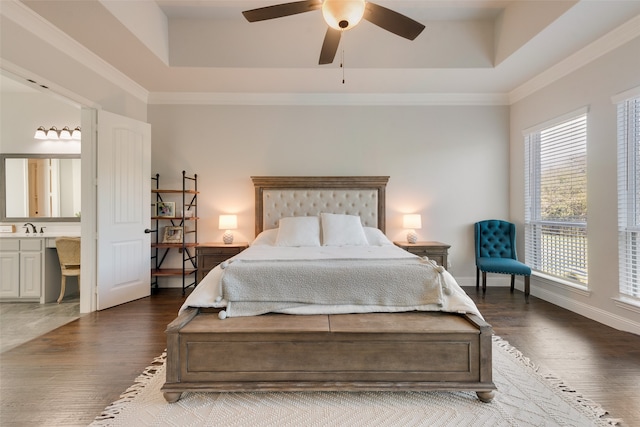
(41, 133)
(65, 133)
(342, 14)
(52, 133)
(76, 134)
(228, 222)
(412, 221)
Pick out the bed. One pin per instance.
(228, 338)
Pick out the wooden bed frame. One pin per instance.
(353, 352)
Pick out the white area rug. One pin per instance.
(525, 397)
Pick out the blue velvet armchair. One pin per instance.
(496, 253)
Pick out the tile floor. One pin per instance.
(23, 321)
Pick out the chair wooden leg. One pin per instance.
(63, 284)
(484, 282)
(477, 278)
(513, 282)
(527, 284)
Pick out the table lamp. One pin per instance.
(412, 222)
(228, 223)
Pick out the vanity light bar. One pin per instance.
(53, 133)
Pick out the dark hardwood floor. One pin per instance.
(67, 376)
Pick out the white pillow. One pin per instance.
(375, 237)
(341, 230)
(299, 231)
(267, 237)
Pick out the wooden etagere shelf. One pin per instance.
(175, 229)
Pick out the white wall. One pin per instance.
(22, 113)
(449, 164)
(592, 86)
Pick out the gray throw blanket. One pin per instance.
(256, 286)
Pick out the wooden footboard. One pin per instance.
(376, 351)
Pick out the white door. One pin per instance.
(123, 209)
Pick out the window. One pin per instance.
(629, 196)
(556, 198)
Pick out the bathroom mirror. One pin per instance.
(40, 187)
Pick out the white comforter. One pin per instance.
(208, 293)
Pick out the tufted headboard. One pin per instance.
(284, 196)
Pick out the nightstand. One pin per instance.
(211, 254)
(434, 250)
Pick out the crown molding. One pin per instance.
(605, 44)
(22, 15)
(351, 99)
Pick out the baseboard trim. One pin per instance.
(597, 314)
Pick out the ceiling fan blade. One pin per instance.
(280, 10)
(392, 21)
(330, 46)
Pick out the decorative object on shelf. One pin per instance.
(412, 222)
(65, 134)
(172, 234)
(166, 209)
(228, 223)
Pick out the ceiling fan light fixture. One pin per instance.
(343, 14)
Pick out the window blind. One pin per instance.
(556, 199)
(629, 196)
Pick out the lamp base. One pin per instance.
(227, 237)
(412, 237)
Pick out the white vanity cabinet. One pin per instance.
(22, 262)
(9, 268)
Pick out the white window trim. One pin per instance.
(624, 300)
(627, 94)
(555, 121)
(627, 304)
(559, 282)
(582, 289)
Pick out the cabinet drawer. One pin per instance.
(439, 259)
(9, 245)
(222, 252)
(435, 251)
(210, 261)
(210, 255)
(425, 252)
(31, 244)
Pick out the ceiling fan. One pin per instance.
(341, 15)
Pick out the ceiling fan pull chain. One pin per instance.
(342, 65)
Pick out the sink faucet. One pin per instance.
(33, 227)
